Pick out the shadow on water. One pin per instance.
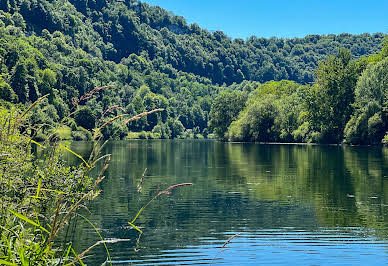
(291, 203)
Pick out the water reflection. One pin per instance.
(291, 204)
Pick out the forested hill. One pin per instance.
(113, 30)
(205, 82)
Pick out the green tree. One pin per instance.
(272, 113)
(19, 82)
(85, 118)
(6, 92)
(176, 127)
(330, 104)
(256, 122)
(369, 123)
(224, 110)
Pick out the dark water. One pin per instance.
(297, 205)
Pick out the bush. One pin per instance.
(143, 135)
(85, 118)
(64, 133)
(81, 134)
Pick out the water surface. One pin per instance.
(291, 204)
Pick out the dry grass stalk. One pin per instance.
(112, 108)
(223, 246)
(137, 117)
(88, 95)
(55, 219)
(20, 119)
(179, 185)
(168, 190)
(110, 241)
(97, 133)
(84, 197)
(80, 256)
(230, 239)
(140, 185)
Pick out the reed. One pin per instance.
(167, 191)
(222, 248)
(39, 198)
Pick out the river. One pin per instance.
(289, 204)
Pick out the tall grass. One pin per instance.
(166, 191)
(39, 197)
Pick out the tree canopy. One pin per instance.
(151, 58)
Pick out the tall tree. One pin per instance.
(19, 81)
(225, 110)
(369, 123)
(331, 105)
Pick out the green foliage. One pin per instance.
(369, 123)
(176, 128)
(115, 130)
(39, 194)
(272, 113)
(224, 110)
(330, 101)
(85, 118)
(6, 92)
(64, 133)
(256, 122)
(81, 134)
(67, 48)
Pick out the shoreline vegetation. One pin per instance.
(41, 195)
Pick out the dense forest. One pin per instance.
(99, 59)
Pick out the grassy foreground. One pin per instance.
(39, 196)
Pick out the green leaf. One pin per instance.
(33, 141)
(92, 225)
(67, 253)
(38, 189)
(24, 218)
(53, 190)
(137, 215)
(3, 262)
(134, 226)
(76, 255)
(79, 156)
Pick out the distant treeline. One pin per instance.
(156, 60)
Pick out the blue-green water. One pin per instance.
(291, 204)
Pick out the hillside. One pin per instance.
(115, 29)
(153, 58)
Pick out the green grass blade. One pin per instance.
(3, 262)
(35, 197)
(137, 215)
(92, 225)
(76, 255)
(67, 253)
(36, 143)
(38, 189)
(53, 190)
(24, 218)
(134, 226)
(79, 156)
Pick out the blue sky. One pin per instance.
(282, 18)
